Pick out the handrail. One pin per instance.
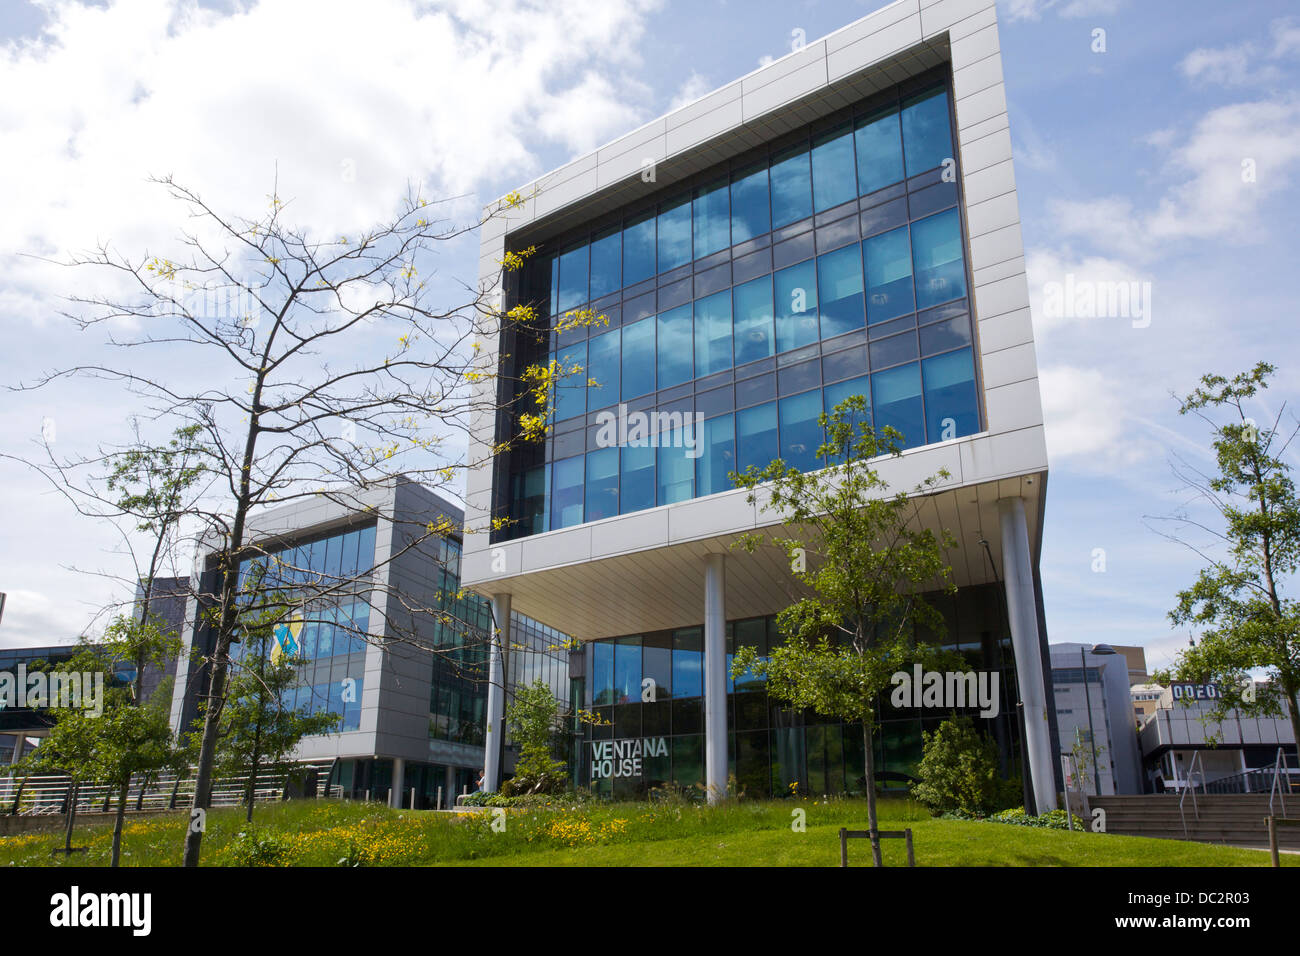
(1191, 769)
(1276, 790)
(1070, 771)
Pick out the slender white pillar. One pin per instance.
(399, 780)
(496, 696)
(715, 676)
(1018, 575)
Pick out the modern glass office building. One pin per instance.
(840, 222)
(388, 640)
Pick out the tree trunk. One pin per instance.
(122, 793)
(72, 815)
(207, 755)
(869, 765)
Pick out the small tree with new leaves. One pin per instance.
(534, 718)
(1240, 600)
(863, 559)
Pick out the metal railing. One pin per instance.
(1191, 786)
(45, 794)
(1070, 773)
(1276, 790)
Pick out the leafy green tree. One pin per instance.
(864, 559)
(958, 769)
(534, 717)
(258, 734)
(1239, 600)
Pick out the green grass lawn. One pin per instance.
(309, 833)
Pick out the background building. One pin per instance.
(842, 221)
(391, 643)
(1094, 714)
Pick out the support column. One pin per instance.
(715, 676)
(1017, 572)
(449, 788)
(496, 698)
(399, 781)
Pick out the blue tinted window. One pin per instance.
(896, 402)
(951, 408)
(333, 557)
(712, 217)
(571, 385)
(753, 320)
(927, 134)
(801, 435)
(606, 264)
(555, 284)
(889, 276)
(566, 492)
(839, 283)
(638, 477)
(791, 187)
(756, 437)
(603, 366)
(688, 664)
(833, 177)
(937, 255)
(639, 249)
(880, 152)
(350, 541)
(639, 358)
(366, 548)
(796, 306)
(602, 484)
(675, 346)
(675, 234)
(713, 334)
(627, 672)
(351, 708)
(573, 278)
(676, 470)
(602, 677)
(751, 213)
(717, 458)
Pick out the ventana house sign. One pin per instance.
(622, 758)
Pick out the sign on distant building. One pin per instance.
(1195, 691)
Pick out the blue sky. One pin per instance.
(1128, 166)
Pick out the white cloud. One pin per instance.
(1087, 420)
(1244, 64)
(1013, 10)
(691, 90)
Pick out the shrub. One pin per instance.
(958, 770)
(253, 846)
(1052, 820)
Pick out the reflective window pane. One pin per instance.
(712, 219)
(796, 306)
(756, 437)
(801, 435)
(639, 358)
(834, 180)
(627, 671)
(951, 406)
(832, 395)
(606, 264)
(638, 477)
(571, 384)
(791, 187)
(717, 456)
(750, 209)
(676, 469)
(713, 334)
(675, 346)
(573, 278)
(839, 284)
(753, 320)
(927, 133)
(880, 152)
(937, 255)
(602, 673)
(675, 234)
(603, 366)
(639, 249)
(566, 492)
(889, 276)
(896, 402)
(602, 484)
